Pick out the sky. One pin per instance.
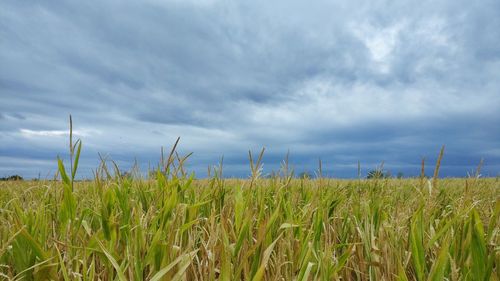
(340, 81)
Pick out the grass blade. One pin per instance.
(166, 269)
(111, 259)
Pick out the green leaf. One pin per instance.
(342, 260)
(188, 225)
(308, 271)
(180, 274)
(119, 272)
(478, 247)
(77, 157)
(417, 244)
(167, 268)
(401, 273)
(68, 208)
(33, 248)
(225, 257)
(267, 255)
(62, 171)
(493, 220)
(63, 267)
(241, 237)
(440, 265)
(444, 230)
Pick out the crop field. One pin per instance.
(171, 226)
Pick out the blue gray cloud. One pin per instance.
(366, 81)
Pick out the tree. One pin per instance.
(12, 178)
(377, 174)
(305, 175)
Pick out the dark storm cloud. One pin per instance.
(365, 81)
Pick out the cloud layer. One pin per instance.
(366, 81)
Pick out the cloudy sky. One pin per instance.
(344, 81)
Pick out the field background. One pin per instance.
(173, 227)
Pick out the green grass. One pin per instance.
(174, 227)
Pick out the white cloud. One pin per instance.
(380, 41)
(53, 133)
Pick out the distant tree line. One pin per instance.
(373, 174)
(12, 178)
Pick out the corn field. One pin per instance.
(171, 226)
